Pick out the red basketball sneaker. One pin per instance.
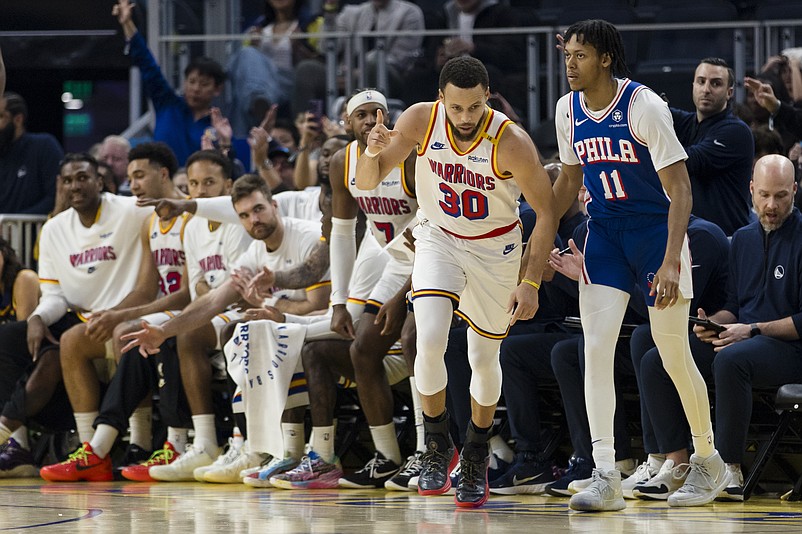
(83, 464)
(139, 472)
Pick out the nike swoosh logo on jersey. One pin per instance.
(508, 249)
(437, 145)
(578, 122)
(719, 143)
(518, 481)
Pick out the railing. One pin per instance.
(545, 76)
(21, 232)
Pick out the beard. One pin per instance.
(459, 136)
(262, 231)
(770, 226)
(6, 137)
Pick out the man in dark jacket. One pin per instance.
(720, 148)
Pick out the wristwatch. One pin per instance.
(754, 330)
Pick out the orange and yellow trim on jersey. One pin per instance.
(483, 333)
(494, 153)
(348, 161)
(376, 303)
(482, 135)
(429, 129)
(404, 184)
(222, 316)
(359, 302)
(320, 284)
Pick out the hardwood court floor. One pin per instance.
(31, 505)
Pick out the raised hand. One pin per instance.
(167, 208)
(149, 339)
(379, 137)
(222, 127)
(262, 283)
(122, 10)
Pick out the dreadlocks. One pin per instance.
(605, 38)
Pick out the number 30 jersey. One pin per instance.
(620, 148)
(464, 193)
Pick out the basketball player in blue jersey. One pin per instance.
(618, 137)
(472, 164)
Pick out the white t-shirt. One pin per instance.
(210, 252)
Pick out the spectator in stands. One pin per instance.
(369, 16)
(263, 73)
(28, 161)
(501, 53)
(89, 259)
(180, 120)
(720, 148)
(19, 295)
(760, 346)
(114, 153)
(783, 115)
(19, 287)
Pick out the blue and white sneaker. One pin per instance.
(527, 475)
(578, 469)
(276, 466)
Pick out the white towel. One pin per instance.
(263, 358)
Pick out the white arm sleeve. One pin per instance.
(51, 308)
(343, 254)
(217, 209)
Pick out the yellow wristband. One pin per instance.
(531, 283)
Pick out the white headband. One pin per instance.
(365, 97)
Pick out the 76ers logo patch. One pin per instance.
(649, 280)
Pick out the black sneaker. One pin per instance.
(472, 488)
(134, 454)
(578, 469)
(527, 475)
(376, 472)
(410, 470)
(437, 461)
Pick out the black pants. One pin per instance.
(16, 368)
(136, 377)
(568, 362)
(757, 362)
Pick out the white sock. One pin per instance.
(83, 423)
(656, 461)
(205, 432)
(417, 407)
(141, 427)
(5, 433)
(386, 442)
(103, 440)
(293, 439)
(703, 444)
(20, 435)
(322, 441)
(178, 438)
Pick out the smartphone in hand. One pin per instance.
(707, 324)
(315, 107)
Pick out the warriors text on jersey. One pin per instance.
(210, 252)
(390, 206)
(464, 192)
(93, 268)
(167, 249)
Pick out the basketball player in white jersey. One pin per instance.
(150, 170)
(89, 257)
(209, 247)
(472, 165)
(279, 243)
(390, 207)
